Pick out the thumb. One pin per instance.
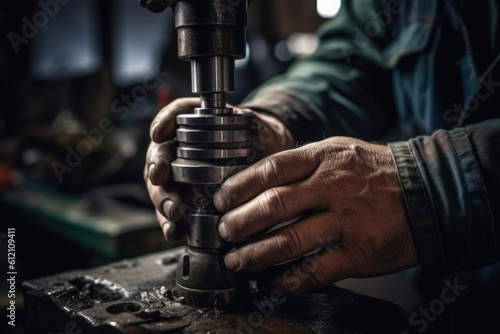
(164, 124)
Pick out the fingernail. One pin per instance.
(223, 232)
(153, 131)
(166, 231)
(167, 208)
(232, 261)
(152, 173)
(219, 202)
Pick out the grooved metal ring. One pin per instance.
(196, 153)
(204, 136)
(194, 119)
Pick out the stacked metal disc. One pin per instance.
(211, 146)
(214, 143)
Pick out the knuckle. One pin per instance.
(318, 274)
(154, 176)
(271, 171)
(319, 278)
(153, 153)
(273, 202)
(288, 241)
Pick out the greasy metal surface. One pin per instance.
(194, 136)
(207, 27)
(197, 153)
(203, 80)
(211, 34)
(202, 231)
(139, 296)
(202, 173)
(211, 28)
(214, 121)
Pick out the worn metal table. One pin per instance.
(138, 296)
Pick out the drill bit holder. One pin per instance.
(214, 142)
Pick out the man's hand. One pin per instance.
(171, 200)
(346, 196)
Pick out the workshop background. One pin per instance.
(80, 82)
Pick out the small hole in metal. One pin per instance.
(128, 307)
(185, 267)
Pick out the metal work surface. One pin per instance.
(139, 296)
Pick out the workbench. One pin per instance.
(106, 227)
(139, 296)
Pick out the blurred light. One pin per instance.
(242, 63)
(302, 44)
(68, 46)
(282, 52)
(328, 8)
(31, 156)
(140, 38)
(259, 48)
(128, 148)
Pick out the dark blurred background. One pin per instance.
(68, 68)
(80, 82)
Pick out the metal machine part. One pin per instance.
(139, 296)
(214, 143)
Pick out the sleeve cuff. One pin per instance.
(426, 234)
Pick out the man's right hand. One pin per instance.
(170, 199)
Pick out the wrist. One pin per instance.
(284, 139)
(295, 114)
(271, 135)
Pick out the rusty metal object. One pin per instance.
(139, 296)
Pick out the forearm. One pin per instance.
(344, 88)
(451, 183)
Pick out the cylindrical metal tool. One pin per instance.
(214, 143)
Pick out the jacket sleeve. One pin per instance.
(451, 186)
(343, 88)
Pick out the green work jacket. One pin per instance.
(421, 75)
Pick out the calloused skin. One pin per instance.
(341, 194)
